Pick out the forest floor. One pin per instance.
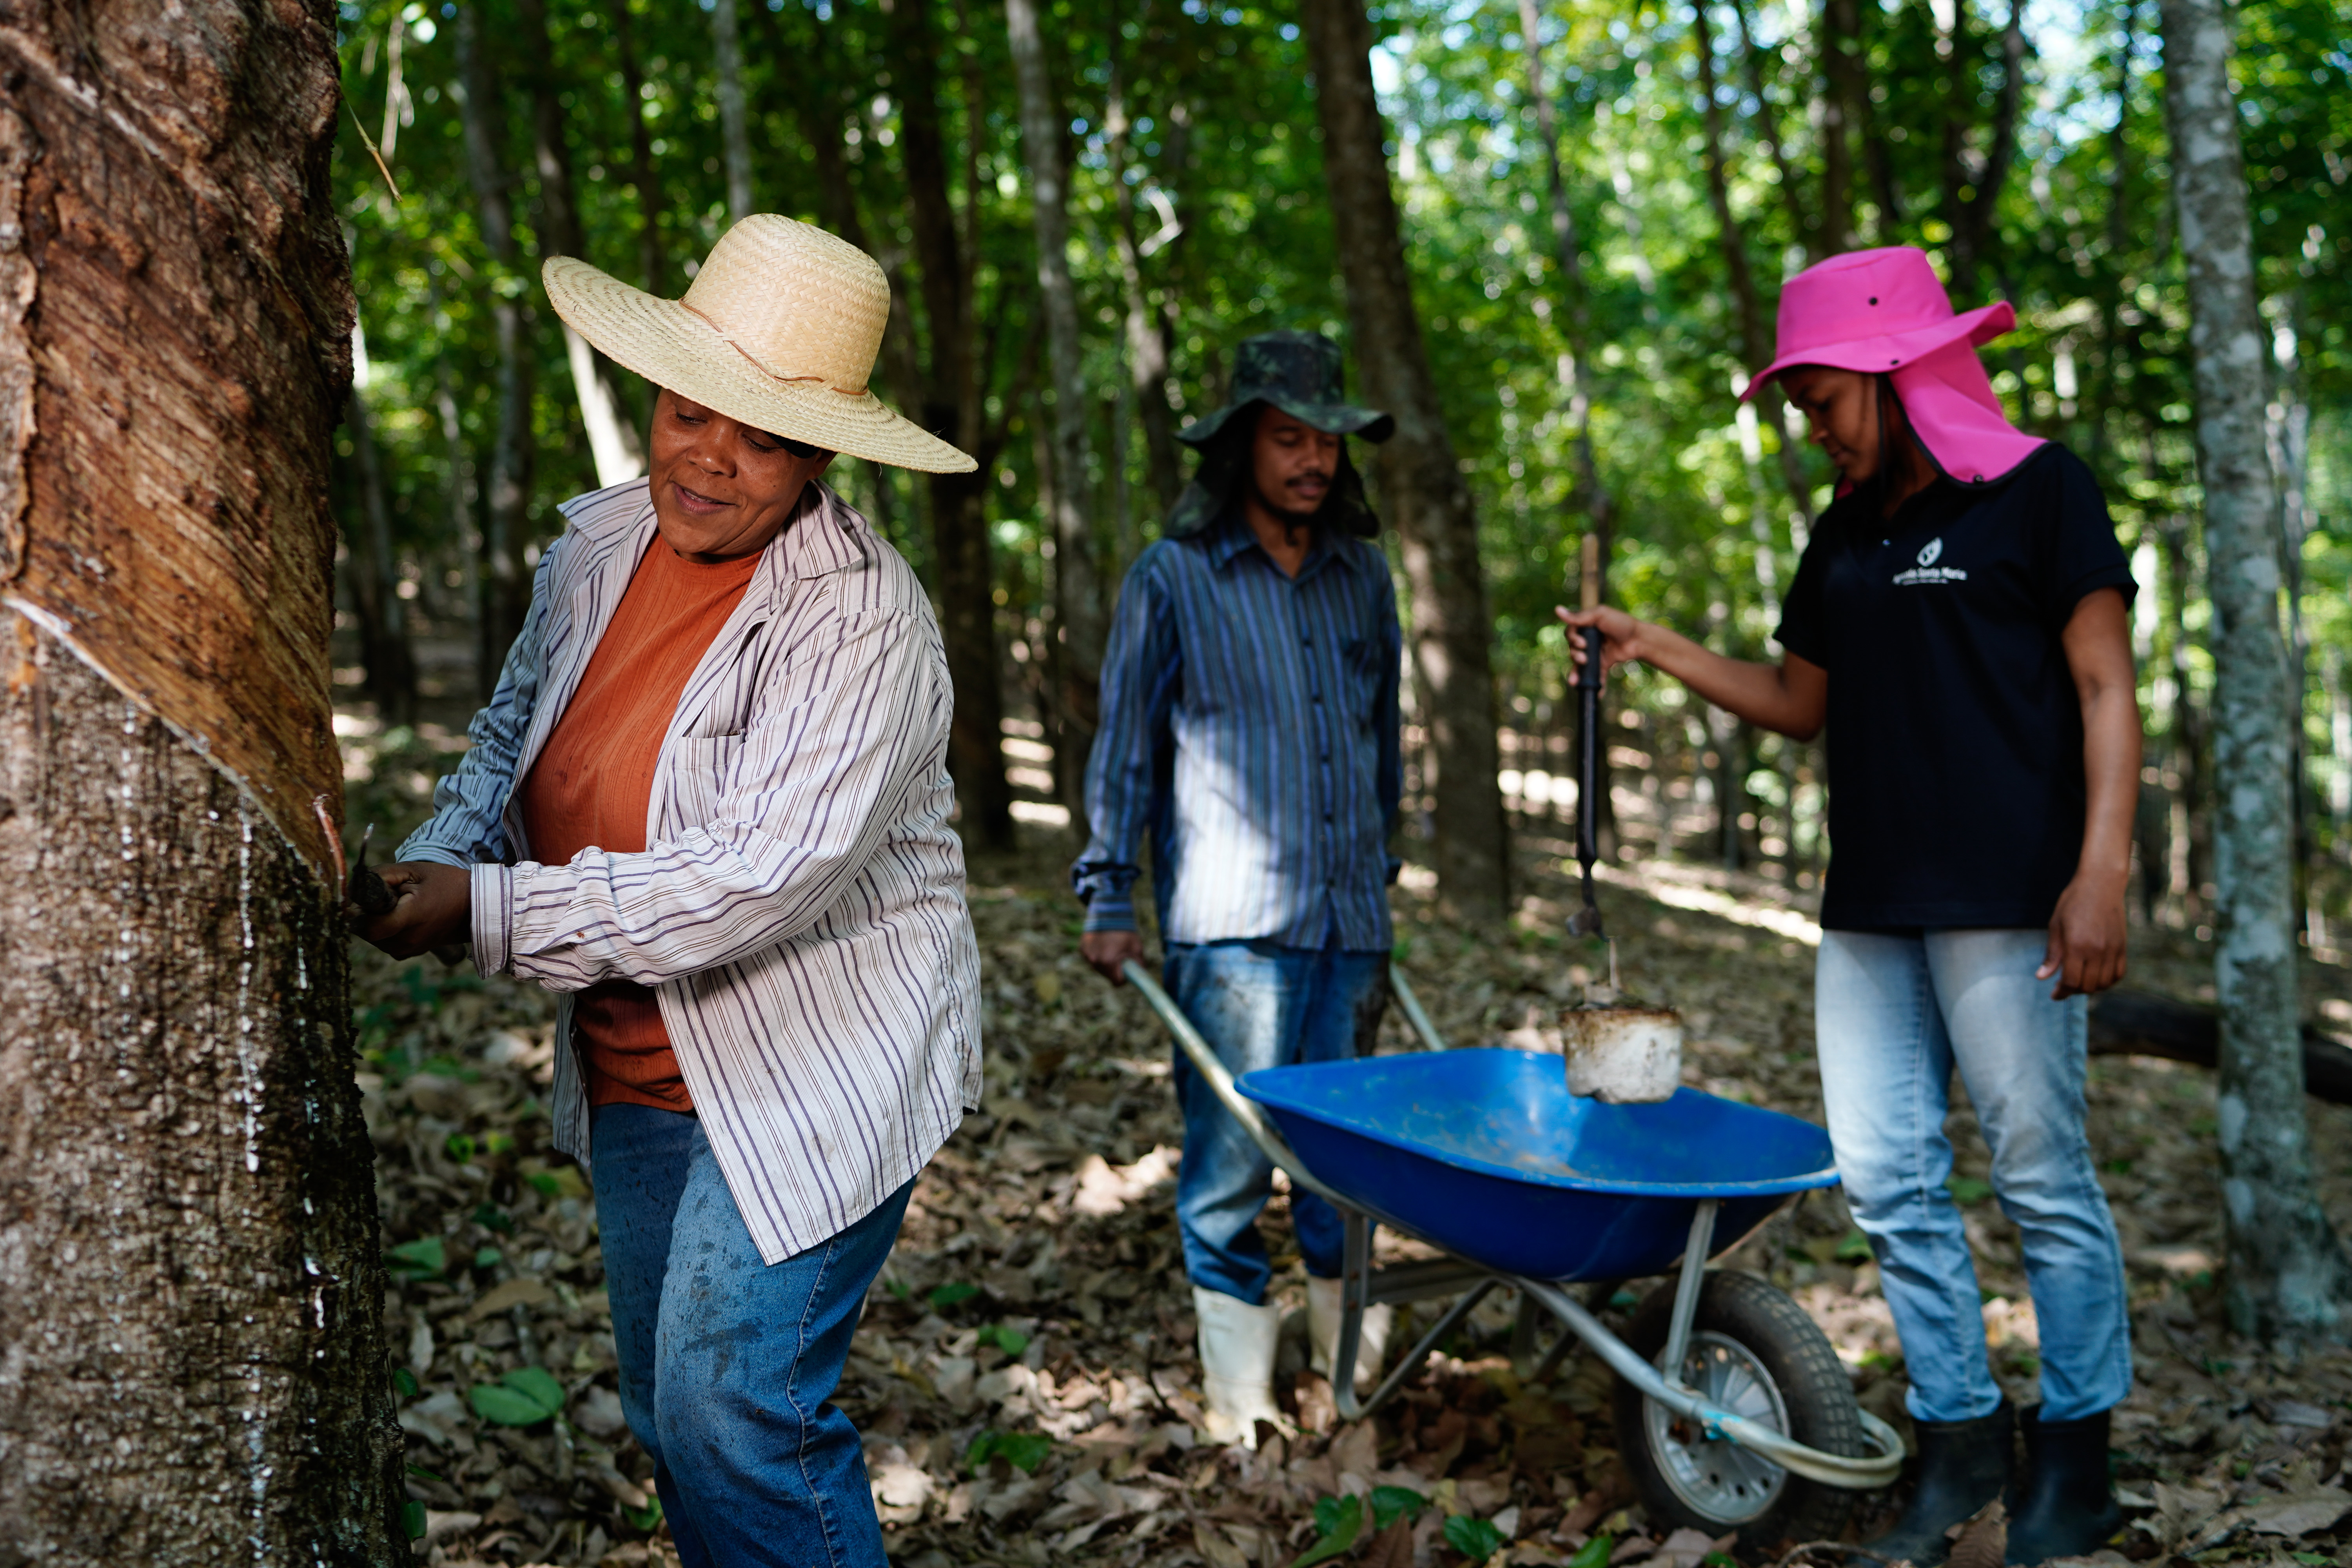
(1025, 1374)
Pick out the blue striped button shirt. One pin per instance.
(1249, 725)
(798, 909)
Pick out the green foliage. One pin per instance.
(648, 1518)
(523, 1398)
(423, 1260)
(1008, 1339)
(1594, 1552)
(943, 1296)
(1337, 1521)
(1475, 1538)
(412, 1519)
(1024, 1451)
(403, 1383)
(1393, 1503)
(1968, 1189)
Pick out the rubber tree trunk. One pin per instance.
(734, 129)
(1422, 486)
(1842, 77)
(613, 443)
(1078, 590)
(505, 594)
(2286, 1269)
(1147, 338)
(192, 1290)
(641, 149)
(953, 410)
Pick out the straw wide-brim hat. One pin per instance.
(778, 329)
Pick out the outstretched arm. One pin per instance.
(1790, 698)
(2087, 932)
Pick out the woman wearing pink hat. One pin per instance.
(1959, 621)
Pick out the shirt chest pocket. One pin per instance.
(702, 770)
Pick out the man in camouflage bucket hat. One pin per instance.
(1250, 727)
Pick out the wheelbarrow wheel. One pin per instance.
(1752, 1351)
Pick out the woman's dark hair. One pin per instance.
(802, 449)
(1893, 421)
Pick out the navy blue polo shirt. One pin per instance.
(1955, 734)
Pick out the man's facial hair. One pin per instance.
(1292, 520)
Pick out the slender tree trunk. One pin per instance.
(1803, 223)
(951, 408)
(1754, 340)
(1078, 590)
(1842, 84)
(641, 149)
(613, 443)
(1147, 337)
(1421, 482)
(2193, 824)
(190, 1293)
(384, 651)
(2287, 1274)
(507, 595)
(734, 125)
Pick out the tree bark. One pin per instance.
(613, 443)
(1147, 336)
(1754, 340)
(2287, 1273)
(1842, 83)
(1420, 481)
(951, 408)
(1972, 182)
(734, 126)
(641, 149)
(1078, 592)
(506, 597)
(192, 1289)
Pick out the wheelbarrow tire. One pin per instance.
(1812, 1389)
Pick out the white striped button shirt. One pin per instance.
(799, 910)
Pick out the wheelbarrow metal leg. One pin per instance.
(1694, 1280)
(1523, 1335)
(1344, 1393)
(1355, 1297)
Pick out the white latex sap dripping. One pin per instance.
(248, 1070)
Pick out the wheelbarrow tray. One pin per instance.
(1487, 1154)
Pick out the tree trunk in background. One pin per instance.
(2286, 1271)
(1147, 337)
(1842, 83)
(1421, 482)
(192, 1290)
(734, 129)
(613, 443)
(952, 409)
(1755, 341)
(507, 595)
(1078, 590)
(1805, 225)
(641, 151)
(384, 651)
(1972, 187)
(2193, 825)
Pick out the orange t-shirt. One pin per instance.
(593, 783)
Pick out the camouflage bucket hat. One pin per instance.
(1297, 373)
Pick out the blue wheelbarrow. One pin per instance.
(1732, 1411)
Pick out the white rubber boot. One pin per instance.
(1323, 1313)
(1237, 1344)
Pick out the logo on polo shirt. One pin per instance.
(1927, 571)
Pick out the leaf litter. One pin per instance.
(1025, 1374)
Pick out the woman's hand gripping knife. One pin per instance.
(411, 907)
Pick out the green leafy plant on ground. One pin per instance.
(1024, 1451)
(524, 1398)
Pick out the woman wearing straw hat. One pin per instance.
(707, 807)
(1959, 621)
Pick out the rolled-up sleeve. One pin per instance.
(1142, 674)
(801, 808)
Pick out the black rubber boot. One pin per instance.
(1962, 1466)
(2064, 1506)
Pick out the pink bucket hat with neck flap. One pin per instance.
(1882, 312)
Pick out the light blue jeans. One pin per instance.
(729, 1365)
(1260, 1004)
(1894, 1015)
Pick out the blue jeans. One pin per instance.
(727, 1363)
(1259, 1004)
(1894, 1015)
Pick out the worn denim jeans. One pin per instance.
(1894, 1014)
(1260, 1004)
(727, 1364)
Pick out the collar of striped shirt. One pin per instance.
(1232, 535)
(799, 910)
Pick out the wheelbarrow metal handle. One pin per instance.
(1414, 1013)
(1204, 1061)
